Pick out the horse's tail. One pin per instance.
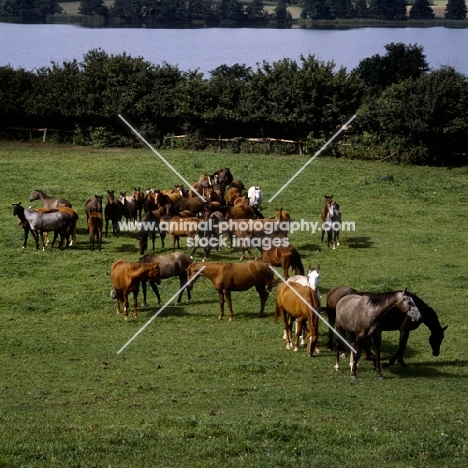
(296, 262)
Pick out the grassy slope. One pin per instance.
(192, 391)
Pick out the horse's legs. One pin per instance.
(221, 304)
(312, 337)
(126, 305)
(356, 355)
(377, 339)
(263, 293)
(155, 289)
(338, 345)
(299, 321)
(227, 293)
(135, 297)
(404, 334)
(182, 282)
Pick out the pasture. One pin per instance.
(192, 391)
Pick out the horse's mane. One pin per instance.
(429, 315)
(378, 299)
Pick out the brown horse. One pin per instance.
(362, 316)
(139, 198)
(151, 225)
(95, 229)
(93, 205)
(49, 202)
(285, 257)
(394, 320)
(295, 302)
(126, 278)
(177, 227)
(228, 277)
(113, 213)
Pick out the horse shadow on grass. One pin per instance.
(430, 369)
(358, 242)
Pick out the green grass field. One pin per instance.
(192, 391)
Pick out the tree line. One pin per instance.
(236, 12)
(405, 111)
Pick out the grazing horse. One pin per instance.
(126, 278)
(95, 229)
(139, 198)
(331, 221)
(295, 302)
(49, 202)
(113, 213)
(285, 257)
(362, 316)
(228, 277)
(170, 265)
(312, 281)
(394, 320)
(93, 205)
(54, 220)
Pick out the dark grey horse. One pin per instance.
(393, 320)
(170, 265)
(38, 223)
(362, 317)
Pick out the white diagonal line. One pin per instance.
(311, 308)
(172, 168)
(161, 309)
(312, 158)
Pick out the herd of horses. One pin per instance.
(356, 320)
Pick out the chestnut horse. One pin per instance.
(362, 317)
(126, 278)
(394, 320)
(228, 277)
(285, 257)
(295, 302)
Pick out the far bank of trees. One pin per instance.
(236, 12)
(405, 112)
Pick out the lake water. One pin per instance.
(37, 45)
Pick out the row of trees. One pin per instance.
(405, 111)
(235, 12)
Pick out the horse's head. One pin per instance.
(405, 303)
(154, 272)
(98, 203)
(17, 209)
(313, 277)
(435, 340)
(35, 195)
(110, 196)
